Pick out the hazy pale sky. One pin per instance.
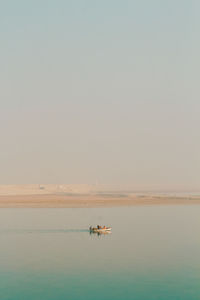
(103, 91)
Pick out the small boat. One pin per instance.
(100, 229)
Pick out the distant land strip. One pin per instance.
(91, 200)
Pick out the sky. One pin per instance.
(100, 92)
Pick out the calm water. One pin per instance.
(153, 253)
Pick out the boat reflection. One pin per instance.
(100, 233)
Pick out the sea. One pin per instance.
(153, 253)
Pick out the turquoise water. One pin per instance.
(152, 253)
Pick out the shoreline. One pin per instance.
(90, 201)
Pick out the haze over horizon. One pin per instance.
(100, 91)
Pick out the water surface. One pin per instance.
(152, 253)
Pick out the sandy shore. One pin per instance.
(76, 201)
(82, 195)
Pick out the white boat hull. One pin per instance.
(100, 229)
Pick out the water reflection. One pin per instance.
(100, 233)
